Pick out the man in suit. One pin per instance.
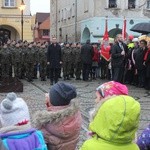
(118, 58)
(54, 60)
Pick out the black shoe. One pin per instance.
(68, 78)
(51, 83)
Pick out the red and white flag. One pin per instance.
(124, 35)
(105, 47)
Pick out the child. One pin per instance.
(144, 139)
(114, 124)
(61, 123)
(16, 132)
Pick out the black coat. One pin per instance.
(54, 56)
(139, 59)
(87, 53)
(118, 60)
(147, 62)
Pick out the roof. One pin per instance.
(40, 17)
(45, 24)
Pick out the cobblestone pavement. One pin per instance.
(34, 96)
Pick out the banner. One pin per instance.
(105, 47)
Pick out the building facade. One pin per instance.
(10, 20)
(42, 27)
(79, 20)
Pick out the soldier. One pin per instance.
(78, 65)
(5, 61)
(16, 59)
(66, 57)
(35, 48)
(43, 62)
(29, 63)
(73, 47)
(23, 60)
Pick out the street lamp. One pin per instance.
(22, 8)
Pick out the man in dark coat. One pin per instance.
(118, 56)
(54, 60)
(139, 63)
(87, 53)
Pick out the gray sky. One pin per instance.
(40, 6)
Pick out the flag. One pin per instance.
(124, 29)
(105, 44)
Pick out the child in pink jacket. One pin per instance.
(61, 122)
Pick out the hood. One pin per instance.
(43, 117)
(116, 119)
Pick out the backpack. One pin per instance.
(28, 140)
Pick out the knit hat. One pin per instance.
(112, 88)
(62, 93)
(13, 110)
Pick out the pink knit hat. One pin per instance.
(112, 88)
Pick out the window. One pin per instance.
(148, 4)
(9, 3)
(45, 32)
(65, 14)
(86, 5)
(73, 10)
(59, 16)
(62, 15)
(131, 4)
(112, 4)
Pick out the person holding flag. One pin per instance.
(105, 52)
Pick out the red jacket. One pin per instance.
(96, 55)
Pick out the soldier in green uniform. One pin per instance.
(73, 47)
(35, 48)
(43, 62)
(16, 59)
(78, 62)
(5, 61)
(66, 57)
(29, 63)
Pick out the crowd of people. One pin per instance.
(129, 61)
(113, 124)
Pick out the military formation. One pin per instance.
(23, 60)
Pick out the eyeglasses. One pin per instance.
(99, 89)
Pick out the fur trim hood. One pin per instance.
(43, 117)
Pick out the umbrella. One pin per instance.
(141, 28)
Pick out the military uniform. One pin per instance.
(29, 63)
(43, 62)
(72, 61)
(5, 61)
(78, 65)
(36, 60)
(16, 59)
(66, 57)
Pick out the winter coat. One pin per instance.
(147, 63)
(96, 55)
(87, 53)
(144, 139)
(61, 126)
(2, 145)
(54, 56)
(22, 137)
(114, 124)
(139, 59)
(118, 60)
